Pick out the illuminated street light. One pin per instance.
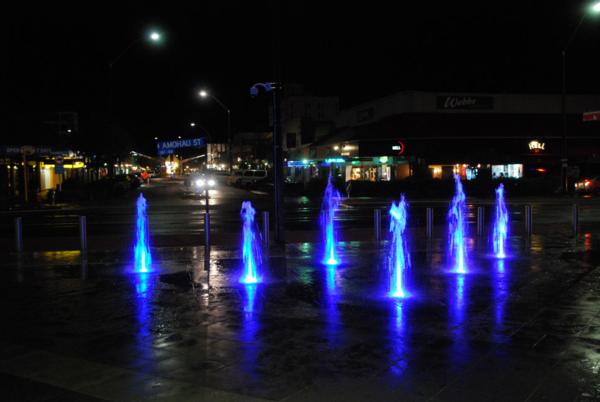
(204, 94)
(155, 36)
(593, 9)
(192, 124)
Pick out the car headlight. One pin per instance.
(211, 182)
(200, 182)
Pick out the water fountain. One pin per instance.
(251, 252)
(500, 224)
(142, 256)
(398, 256)
(457, 228)
(331, 201)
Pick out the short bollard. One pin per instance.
(206, 241)
(480, 220)
(83, 233)
(377, 223)
(575, 221)
(528, 222)
(265, 228)
(19, 234)
(429, 222)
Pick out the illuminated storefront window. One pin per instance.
(513, 171)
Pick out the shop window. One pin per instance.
(513, 171)
(436, 171)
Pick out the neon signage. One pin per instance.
(537, 146)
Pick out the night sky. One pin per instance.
(58, 58)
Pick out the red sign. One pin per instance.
(591, 116)
(398, 148)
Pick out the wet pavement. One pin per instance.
(522, 329)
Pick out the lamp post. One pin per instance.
(154, 37)
(205, 94)
(275, 89)
(593, 9)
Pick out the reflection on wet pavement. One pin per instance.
(523, 328)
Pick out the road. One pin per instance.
(173, 213)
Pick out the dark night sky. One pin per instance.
(57, 57)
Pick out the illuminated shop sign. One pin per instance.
(334, 160)
(399, 148)
(465, 102)
(537, 146)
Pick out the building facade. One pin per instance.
(438, 134)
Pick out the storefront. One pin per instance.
(27, 173)
(382, 168)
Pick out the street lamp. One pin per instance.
(205, 94)
(593, 9)
(153, 36)
(275, 88)
(192, 124)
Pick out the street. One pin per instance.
(177, 218)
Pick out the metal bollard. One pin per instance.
(429, 222)
(19, 234)
(83, 233)
(265, 228)
(480, 220)
(377, 223)
(207, 242)
(528, 222)
(575, 221)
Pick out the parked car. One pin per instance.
(235, 176)
(589, 185)
(246, 178)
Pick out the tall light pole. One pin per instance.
(205, 94)
(593, 9)
(152, 36)
(275, 88)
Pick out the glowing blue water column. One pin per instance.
(500, 224)
(142, 256)
(331, 201)
(398, 256)
(251, 252)
(457, 229)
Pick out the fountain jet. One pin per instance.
(457, 228)
(142, 256)
(251, 254)
(398, 256)
(331, 201)
(500, 224)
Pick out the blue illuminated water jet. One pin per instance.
(331, 201)
(500, 224)
(398, 255)
(457, 228)
(251, 253)
(142, 256)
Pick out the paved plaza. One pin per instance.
(522, 329)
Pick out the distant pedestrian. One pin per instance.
(145, 177)
(348, 188)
